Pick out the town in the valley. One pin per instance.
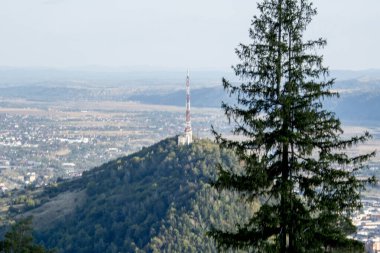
(44, 142)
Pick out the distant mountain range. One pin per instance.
(202, 97)
(360, 90)
(136, 77)
(359, 100)
(369, 74)
(108, 77)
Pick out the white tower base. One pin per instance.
(185, 139)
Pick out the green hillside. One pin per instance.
(156, 200)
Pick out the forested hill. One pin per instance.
(156, 200)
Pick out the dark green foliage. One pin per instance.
(156, 200)
(19, 239)
(292, 149)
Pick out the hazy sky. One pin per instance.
(169, 34)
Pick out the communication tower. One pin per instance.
(187, 137)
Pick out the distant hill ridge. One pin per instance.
(359, 100)
(201, 97)
(156, 200)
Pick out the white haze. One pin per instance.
(168, 34)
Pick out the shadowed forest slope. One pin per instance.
(156, 200)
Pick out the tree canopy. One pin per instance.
(19, 239)
(292, 148)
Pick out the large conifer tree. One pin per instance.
(293, 154)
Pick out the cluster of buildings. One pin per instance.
(367, 222)
(23, 173)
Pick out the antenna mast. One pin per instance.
(188, 117)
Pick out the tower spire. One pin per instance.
(188, 117)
